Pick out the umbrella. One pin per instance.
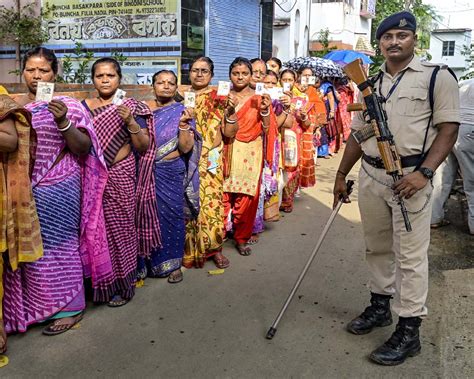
(347, 56)
(321, 67)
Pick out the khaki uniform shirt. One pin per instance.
(408, 108)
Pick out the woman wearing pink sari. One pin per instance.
(68, 180)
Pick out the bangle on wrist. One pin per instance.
(132, 132)
(230, 121)
(342, 173)
(304, 119)
(286, 111)
(265, 114)
(62, 130)
(184, 129)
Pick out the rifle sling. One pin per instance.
(408, 161)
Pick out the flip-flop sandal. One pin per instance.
(50, 331)
(117, 301)
(221, 262)
(244, 250)
(440, 224)
(175, 278)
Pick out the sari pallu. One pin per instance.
(69, 200)
(205, 234)
(292, 165)
(129, 200)
(174, 205)
(20, 233)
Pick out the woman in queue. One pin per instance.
(244, 155)
(68, 180)
(178, 148)
(215, 120)
(125, 131)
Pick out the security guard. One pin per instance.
(397, 259)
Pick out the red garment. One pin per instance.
(250, 126)
(244, 210)
(346, 97)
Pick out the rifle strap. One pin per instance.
(430, 120)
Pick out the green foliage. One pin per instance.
(425, 18)
(467, 52)
(77, 67)
(323, 39)
(23, 26)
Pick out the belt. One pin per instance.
(377, 162)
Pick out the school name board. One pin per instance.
(118, 21)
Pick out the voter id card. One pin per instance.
(223, 88)
(260, 89)
(119, 97)
(286, 87)
(189, 99)
(44, 91)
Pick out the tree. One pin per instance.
(323, 39)
(22, 27)
(425, 19)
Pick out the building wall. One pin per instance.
(343, 20)
(234, 30)
(458, 61)
(291, 29)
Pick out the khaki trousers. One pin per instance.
(397, 259)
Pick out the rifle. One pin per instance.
(377, 117)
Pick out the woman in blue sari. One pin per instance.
(176, 177)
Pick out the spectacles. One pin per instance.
(258, 72)
(203, 71)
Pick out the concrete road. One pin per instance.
(215, 326)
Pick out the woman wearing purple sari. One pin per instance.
(178, 148)
(125, 134)
(68, 181)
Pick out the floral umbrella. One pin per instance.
(321, 67)
(344, 57)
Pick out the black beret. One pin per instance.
(401, 20)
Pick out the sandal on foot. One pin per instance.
(175, 277)
(244, 249)
(221, 261)
(440, 224)
(51, 329)
(117, 301)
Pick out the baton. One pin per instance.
(271, 332)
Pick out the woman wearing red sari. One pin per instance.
(243, 159)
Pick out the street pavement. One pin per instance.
(214, 326)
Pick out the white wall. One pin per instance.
(343, 21)
(291, 41)
(458, 61)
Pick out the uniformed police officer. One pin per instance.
(397, 259)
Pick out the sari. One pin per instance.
(346, 97)
(129, 200)
(68, 193)
(20, 234)
(328, 132)
(205, 234)
(177, 192)
(245, 156)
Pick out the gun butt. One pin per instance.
(355, 71)
(356, 107)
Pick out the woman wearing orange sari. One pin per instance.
(313, 115)
(244, 155)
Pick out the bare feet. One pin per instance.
(253, 240)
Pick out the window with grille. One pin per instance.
(448, 48)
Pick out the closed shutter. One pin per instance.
(234, 30)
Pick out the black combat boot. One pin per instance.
(377, 314)
(404, 342)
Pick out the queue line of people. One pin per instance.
(118, 193)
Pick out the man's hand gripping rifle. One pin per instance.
(377, 117)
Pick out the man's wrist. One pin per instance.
(341, 173)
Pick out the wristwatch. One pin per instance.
(426, 172)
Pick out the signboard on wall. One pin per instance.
(140, 70)
(116, 21)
